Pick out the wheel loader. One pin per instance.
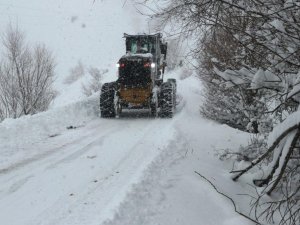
(140, 83)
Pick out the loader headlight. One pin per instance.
(122, 65)
(153, 65)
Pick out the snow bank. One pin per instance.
(17, 135)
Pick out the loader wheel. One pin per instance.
(107, 96)
(167, 100)
(173, 81)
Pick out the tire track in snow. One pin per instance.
(95, 201)
(24, 174)
(42, 155)
(42, 187)
(64, 184)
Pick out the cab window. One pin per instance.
(141, 45)
(133, 46)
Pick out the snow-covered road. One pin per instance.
(85, 176)
(131, 170)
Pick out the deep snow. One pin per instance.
(170, 192)
(69, 166)
(131, 170)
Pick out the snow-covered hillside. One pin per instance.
(85, 31)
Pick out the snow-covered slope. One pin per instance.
(75, 30)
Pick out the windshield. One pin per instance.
(140, 45)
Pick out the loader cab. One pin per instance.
(141, 45)
(151, 46)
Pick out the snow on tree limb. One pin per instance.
(290, 123)
(242, 76)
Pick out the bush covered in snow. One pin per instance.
(250, 64)
(75, 73)
(26, 76)
(257, 145)
(95, 82)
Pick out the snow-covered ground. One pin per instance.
(131, 170)
(68, 166)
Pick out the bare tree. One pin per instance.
(76, 72)
(26, 76)
(95, 83)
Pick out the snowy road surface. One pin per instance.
(116, 171)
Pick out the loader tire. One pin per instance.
(173, 81)
(167, 100)
(107, 96)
